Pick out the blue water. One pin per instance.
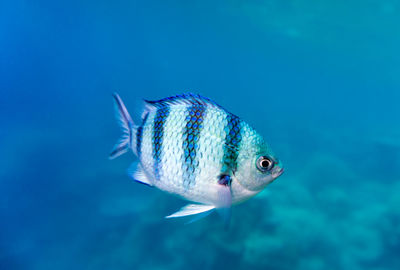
(319, 79)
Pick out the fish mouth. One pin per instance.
(277, 172)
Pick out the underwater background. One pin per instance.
(318, 79)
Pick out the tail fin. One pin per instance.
(127, 126)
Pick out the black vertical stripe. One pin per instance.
(139, 135)
(191, 134)
(158, 134)
(232, 143)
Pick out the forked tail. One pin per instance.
(127, 126)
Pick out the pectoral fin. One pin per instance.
(224, 197)
(191, 209)
(222, 205)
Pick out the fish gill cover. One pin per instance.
(319, 80)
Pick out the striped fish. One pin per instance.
(190, 146)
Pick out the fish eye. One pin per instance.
(264, 163)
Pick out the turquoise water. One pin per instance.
(319, 79)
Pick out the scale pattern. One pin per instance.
(139, 134)
(158, 133)
(232, 142)
(194, 124)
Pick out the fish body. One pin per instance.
(192, 147)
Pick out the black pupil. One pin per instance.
(265, 163)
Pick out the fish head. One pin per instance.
(258, 166)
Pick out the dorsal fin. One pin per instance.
(183, 99)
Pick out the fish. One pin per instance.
(190, 146)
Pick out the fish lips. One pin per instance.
(277, 171)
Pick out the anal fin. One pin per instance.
(136, 172)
